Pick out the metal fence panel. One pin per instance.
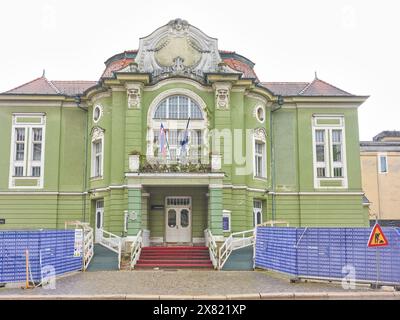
(323, 252)
(47, 248)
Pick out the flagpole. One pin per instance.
(185, 140)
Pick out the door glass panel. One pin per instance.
(184, 218)
(258, 217)
(98, 219)
(171, 218)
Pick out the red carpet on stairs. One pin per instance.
(174, 257)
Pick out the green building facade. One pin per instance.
(175, 138)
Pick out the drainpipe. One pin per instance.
(78, 104)
(280, 102)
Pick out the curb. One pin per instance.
(256, 296)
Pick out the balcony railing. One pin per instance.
(188, 165)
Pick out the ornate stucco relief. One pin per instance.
(178, 48)
(97, 133)
(260, 134)
(222, 95)
(134, 94)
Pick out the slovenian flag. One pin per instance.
(185, 140)
(163, 141)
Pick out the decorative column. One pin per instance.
(134, 210)
(133, 121)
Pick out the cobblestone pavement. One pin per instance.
(180, 282)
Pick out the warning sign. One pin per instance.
(377, 237)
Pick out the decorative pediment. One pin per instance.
(178, 48)
(260, 134)
(97, 133)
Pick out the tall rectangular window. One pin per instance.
(320, 148)
(174, 148)
(27, 150)
(383, 165)
(337, 151)
(27, 157)
(328, 149)
(19, 151)
(259, 159)
(97, 158)
(36, 151)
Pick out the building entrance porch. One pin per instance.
(175, 209)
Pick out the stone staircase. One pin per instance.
(174, 257)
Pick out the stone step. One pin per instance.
(172, 261)
(175, 257)
(174, 265)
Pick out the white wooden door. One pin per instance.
(178, 224)
(184, 225)
(99, 221)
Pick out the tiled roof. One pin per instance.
(43, 86)
(315, 88)
(285, 88)
(238, 65)
(115, 66)
(72, 88)
(37, 86)
(321, 88)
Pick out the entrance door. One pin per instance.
(98, 234)
(178, 220)
(257, 212)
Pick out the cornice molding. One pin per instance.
(186, 81)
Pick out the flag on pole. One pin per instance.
(163, 141)
(185, 140)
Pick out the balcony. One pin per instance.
(143, 164)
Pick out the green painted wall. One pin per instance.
(68, 137)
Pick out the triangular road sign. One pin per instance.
(377, 237)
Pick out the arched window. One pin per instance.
(174, 137)
(178, 107)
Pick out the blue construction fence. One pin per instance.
(48, 250)
(327, 253)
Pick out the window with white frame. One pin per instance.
(97, 158)
(174, 138)
(178, 107)
(383, 164)
(179, 115)
(27, 149)
(329, 148)
(97, 153)
(259, 159)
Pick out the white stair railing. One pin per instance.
(212, 247)
(87, 246)
(136, 248)
(112, 242)
(87, 240)
(235, 241)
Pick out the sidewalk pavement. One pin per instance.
(191, 284)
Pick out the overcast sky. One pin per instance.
(351, 44)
